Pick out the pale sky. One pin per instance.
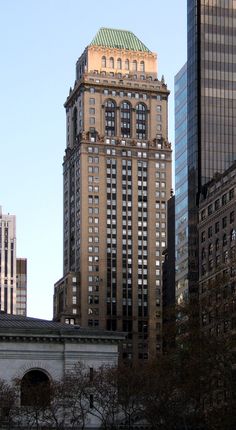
(40, 41)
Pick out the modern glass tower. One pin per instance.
(117, 180)
(181, 185)
(211, 103)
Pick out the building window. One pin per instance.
(74, 120)
(141, 120)
(210, 249)
(224, 240)
(110, 123)
(104, 62)
(231, 194)
(92, 101)
(210, 231)
(135, 67)
(111, 63)
(125, 119)
(119, 63)
(127, 64)
(142, 66)
(231, 217)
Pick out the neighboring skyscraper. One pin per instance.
(181, 186)
(7, 263)
(13, 274)
(211, 123)
(117, 180)
(21, 286)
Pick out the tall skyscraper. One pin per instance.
(211, 103)
(21, 286)
(181, 187)
(117, 180)
(10, 269)
(7, 263)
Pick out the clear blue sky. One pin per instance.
(40, 41)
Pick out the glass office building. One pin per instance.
(205, 124)
(181, 185)
(211, 86)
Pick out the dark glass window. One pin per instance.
(110, 118)
(141, 121)
(125, 119)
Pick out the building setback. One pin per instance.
(117, 180)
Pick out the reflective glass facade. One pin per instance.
(211, 98)
(181, 185)
(211, 87)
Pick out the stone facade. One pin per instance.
(28, 344)
(217, 247)
(117, 181)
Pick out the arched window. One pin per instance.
(104, 61)
(127, 64)
(142, 66)
(111, 63)
(110, 118)
(135, 66)
(119, 63)
(141, 121)
(35, 389)
(75, 128)
(125, 119)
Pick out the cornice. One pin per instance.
(36, 337)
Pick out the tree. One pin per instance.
(130, 384)
(69, 405)
(7, 403)
(190, 387)
(103, 397)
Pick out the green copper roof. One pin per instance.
(121, 39)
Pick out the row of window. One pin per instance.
(119, 93)
(224, 242)
(119, 64)
(217, 204)
(209, 232)
(213, 263)
(125, 119)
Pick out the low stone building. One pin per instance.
(48, 350)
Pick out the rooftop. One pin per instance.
(120, 39)
(17, 325)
